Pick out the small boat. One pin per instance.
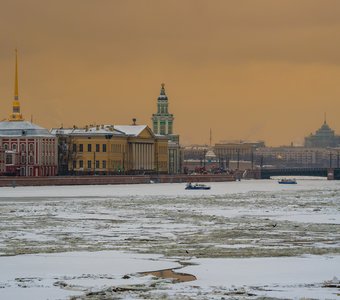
(197, 186)
(287, 181)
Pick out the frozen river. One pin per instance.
(240, 239)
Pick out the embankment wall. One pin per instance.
(101, 180)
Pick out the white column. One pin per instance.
(134, 159)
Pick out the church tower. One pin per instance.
(16, 115)
(162, 121)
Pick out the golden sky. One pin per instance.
(247, 69)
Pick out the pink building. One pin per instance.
(27, 149)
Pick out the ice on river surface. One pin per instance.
(260, 221)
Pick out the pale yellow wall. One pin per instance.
(161, 149)
(113, 155)
(118, 152)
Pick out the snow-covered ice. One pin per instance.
(239, 239)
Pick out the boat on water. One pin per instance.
(197, 186)
(287, 181)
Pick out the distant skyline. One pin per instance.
(249, 70)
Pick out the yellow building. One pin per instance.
(111, 149)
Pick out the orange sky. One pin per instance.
(247, 69)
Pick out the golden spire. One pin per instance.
(16, 115)
(16, 89)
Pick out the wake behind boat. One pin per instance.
(197, 186)
(287, 181)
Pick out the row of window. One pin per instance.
(89, 148)
(98, 164)
(115, 148)
(22, 147)
(10, 159)
(89, 165)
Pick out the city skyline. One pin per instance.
(257, 71)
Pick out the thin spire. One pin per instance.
(16, 86)
(325, 118)
(210, 139)
(16, 115)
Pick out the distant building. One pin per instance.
(162, 124)
(26, 149)
(200, 158)
(236, 151)
(324, 137)
(111, 149)
(283, 157)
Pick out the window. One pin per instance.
(74, 147)
(23, 147)
(104, 164)
(89, 147)
(97, 148)
(89, 164)
(9, 159)
(81, 148)
(74, 164)
(6, 146)
(14, 147)
(104, 147)
(23, 159)
(97, 164)
(81, 164)
(31, 147)
(31, 159)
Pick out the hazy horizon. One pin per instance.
(249, 70)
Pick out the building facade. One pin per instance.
(324, 137)
(292, 157)
(111, 149)
(26, 149)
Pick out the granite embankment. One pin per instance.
(101, 180)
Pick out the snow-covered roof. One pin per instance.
(22, 128)
(133, 130)
(98, 130)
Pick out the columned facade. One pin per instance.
(111, 149)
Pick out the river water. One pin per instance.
(234, 220)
